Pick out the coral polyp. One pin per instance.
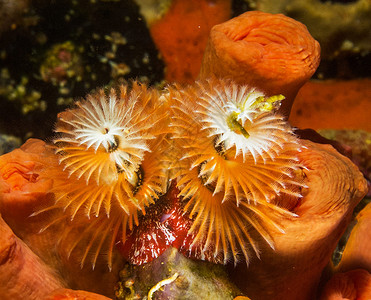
(113, 163)
(237, 160)
(240, 117)
(107, 135)
(227, 232)
(99, 233)
(129, 195)
(101, 145)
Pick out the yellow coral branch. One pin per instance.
(160, 284)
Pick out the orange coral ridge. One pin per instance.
(181, 35)
(250, 50)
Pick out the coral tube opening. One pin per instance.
(274, 53)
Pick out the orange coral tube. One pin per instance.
(273, 53)
(335, 104)
(293, 269)
(25, 187)
(22, 189)
(22, 274)
(352, 285)
(181, 35)
(357, 252)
